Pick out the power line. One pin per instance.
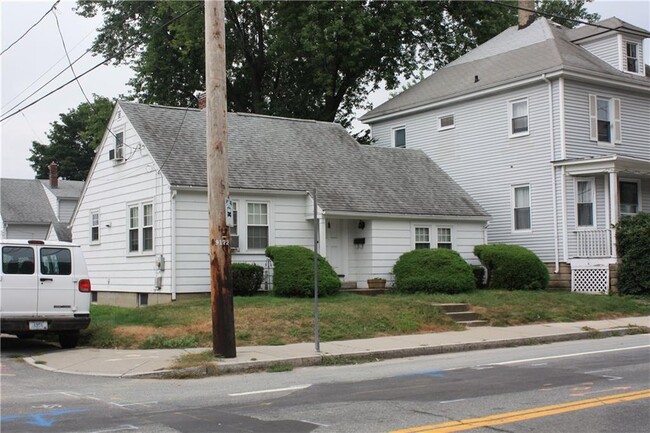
(124, 50)
(67, 55)
(30, 29)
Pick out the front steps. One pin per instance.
(462, 314)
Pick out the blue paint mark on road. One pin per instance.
(43, 419)
(431, 373)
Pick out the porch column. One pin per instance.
(613, 207)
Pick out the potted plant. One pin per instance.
(377, 283)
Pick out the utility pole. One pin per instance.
(223, 318)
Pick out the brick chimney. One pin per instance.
(202, 100)
(54, 174)
(526, 17)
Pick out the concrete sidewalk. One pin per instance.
(159, 363)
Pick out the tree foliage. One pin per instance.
(316, 59)
(73, 140)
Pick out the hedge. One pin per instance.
(433, 270)
(246, 278)
(512, 267)
(633, 243)
(293, 272)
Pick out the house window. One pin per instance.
(518, 117)
(522, 207)
(399, 137)
(140, 228)
(258, 225)
(234, 230)
(629, 197)
(605, 117)
(585, 202)
(444, 237)
(119, 145)
(422, 238)
(632, 63)
(446, 122)
(94, 227)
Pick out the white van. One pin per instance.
(44, 288)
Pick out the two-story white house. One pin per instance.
(142, 220)
(549, 129)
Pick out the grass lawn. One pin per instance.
(267, 320)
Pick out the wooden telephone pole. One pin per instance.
(223, 319)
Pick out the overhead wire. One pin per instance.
(30, 29)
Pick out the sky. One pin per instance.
(37, 57)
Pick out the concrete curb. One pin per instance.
(216, 369)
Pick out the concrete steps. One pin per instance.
(462, 314)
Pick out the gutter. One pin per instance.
(553, 181)
(404, 216)
(172, 265)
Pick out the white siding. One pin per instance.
(606, 48)
(635, 122)
(110, 188)
(27, 231)
(66, 208)
(478, 154)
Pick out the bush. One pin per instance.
(633, 241)
(246, 278)
(433, 270)
(293, 273)
(512, 267)
(479, 276)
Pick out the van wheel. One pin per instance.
(69, 340)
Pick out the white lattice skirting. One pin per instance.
(590, 280)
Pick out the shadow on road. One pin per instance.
(13, 346)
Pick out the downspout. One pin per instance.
(556, 246)
(565, 223)
(172, 265)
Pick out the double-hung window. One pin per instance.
(119, 146)
(632, 57)
(399, 137)
(140, 228)
(605, 119)
(234, 230)
(518, 114)
(257, 217)
(521, 207)
(94, 227)
(422, 238)
(444, 237)
(629, 197)
(585, 202)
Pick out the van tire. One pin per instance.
(69, 340)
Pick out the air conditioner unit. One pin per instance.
(234, 242)
(119, 154)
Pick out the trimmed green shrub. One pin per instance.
(479, 276)
(293, 272)
(246, 278)
(633, 242)
(433, 271)
(512, 267)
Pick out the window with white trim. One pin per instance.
(399, 137)
(422, 238)
(605, 119)
(629, 197)
(234, 230)
(119, 145)
(521, 211)
(94, 227)
(518, 115)
(257, 217)
(585, 202)
(140, 228)
(632, 57)
(446, 122)
(444, 237)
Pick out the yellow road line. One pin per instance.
(526, 414)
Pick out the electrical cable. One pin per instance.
(67, 55)
(30, 29)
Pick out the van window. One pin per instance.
(56, 261)
(17, 260)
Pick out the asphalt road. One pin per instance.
(585, 386)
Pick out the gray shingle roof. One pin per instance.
(295, 155)
(511, 56)
(66, 189)
(63, 232)
(614, 23)
(24, 201)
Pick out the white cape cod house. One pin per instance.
(549, 129)
(142, 220)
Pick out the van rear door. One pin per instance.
(19, 294)
(57, 288)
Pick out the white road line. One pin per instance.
(571, 355)
(452, 401)
(132, 404)
(117, 429)
(314, 423)
(264, 391)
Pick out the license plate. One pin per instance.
(38, 326)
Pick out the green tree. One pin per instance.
(311, 59)
(73, 140)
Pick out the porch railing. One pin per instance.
(594, 243)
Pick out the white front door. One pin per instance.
(334, 245)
